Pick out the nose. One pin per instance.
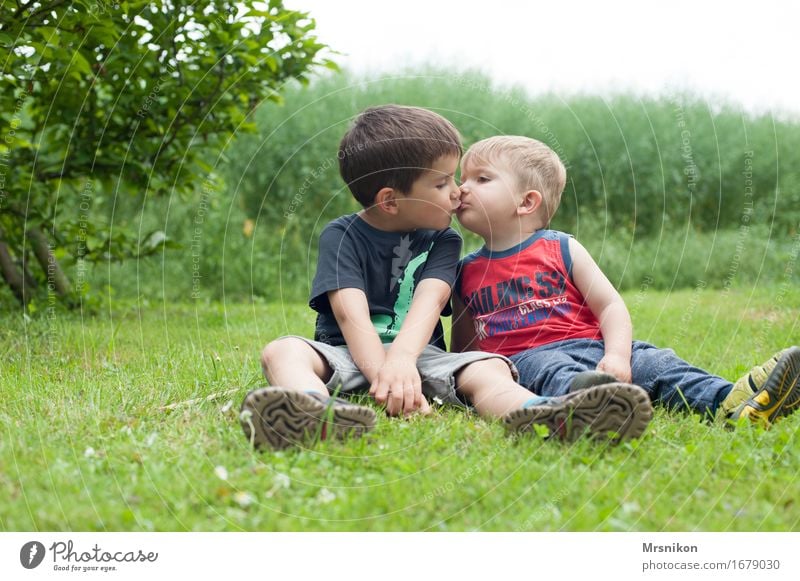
(455, 193)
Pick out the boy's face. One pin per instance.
(433, 198)
(490, 196)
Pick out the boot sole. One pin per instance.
(613, 412)
(280, 418)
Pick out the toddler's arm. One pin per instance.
(462, 331)
(609, 308)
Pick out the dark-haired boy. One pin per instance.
(383, 278)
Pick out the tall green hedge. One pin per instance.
(666, 193)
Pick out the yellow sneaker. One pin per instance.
(747, 385)
(774, 387)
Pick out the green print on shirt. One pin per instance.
(389, 326)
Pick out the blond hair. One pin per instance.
(536, 166)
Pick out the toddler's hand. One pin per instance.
(619, 367)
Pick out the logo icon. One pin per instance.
(32, 554)
(402, 254)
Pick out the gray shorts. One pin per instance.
(437, 370)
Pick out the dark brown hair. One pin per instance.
(391, 146)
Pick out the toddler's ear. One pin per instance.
(530, 202)
(386, 200)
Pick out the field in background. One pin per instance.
(667, 193)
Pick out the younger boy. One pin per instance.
(537, 296)
(383, 278)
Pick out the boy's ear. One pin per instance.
(386, 200)
(531, 202)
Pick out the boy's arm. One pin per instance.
(462, 330)
(398, 382)
(431, 295)
(609, 308)
(351, 310)
(393, 376)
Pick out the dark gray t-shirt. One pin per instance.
(387, 266)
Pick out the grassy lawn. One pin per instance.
(87, 443)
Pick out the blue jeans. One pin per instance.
(668, 379)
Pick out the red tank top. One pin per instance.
(524, 297)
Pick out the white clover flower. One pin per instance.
(282, 480)
(244, 498)
(279, 481)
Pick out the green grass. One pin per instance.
(86, 444)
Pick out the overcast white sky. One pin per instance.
(744, 52)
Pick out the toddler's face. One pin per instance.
(490, 195)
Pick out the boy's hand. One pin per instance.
(616, 365)
(398, 386)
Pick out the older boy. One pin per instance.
(537, 296)
(383, 278)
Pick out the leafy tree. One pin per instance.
(101, 99)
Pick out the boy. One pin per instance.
(383, 278)
(537, 296)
